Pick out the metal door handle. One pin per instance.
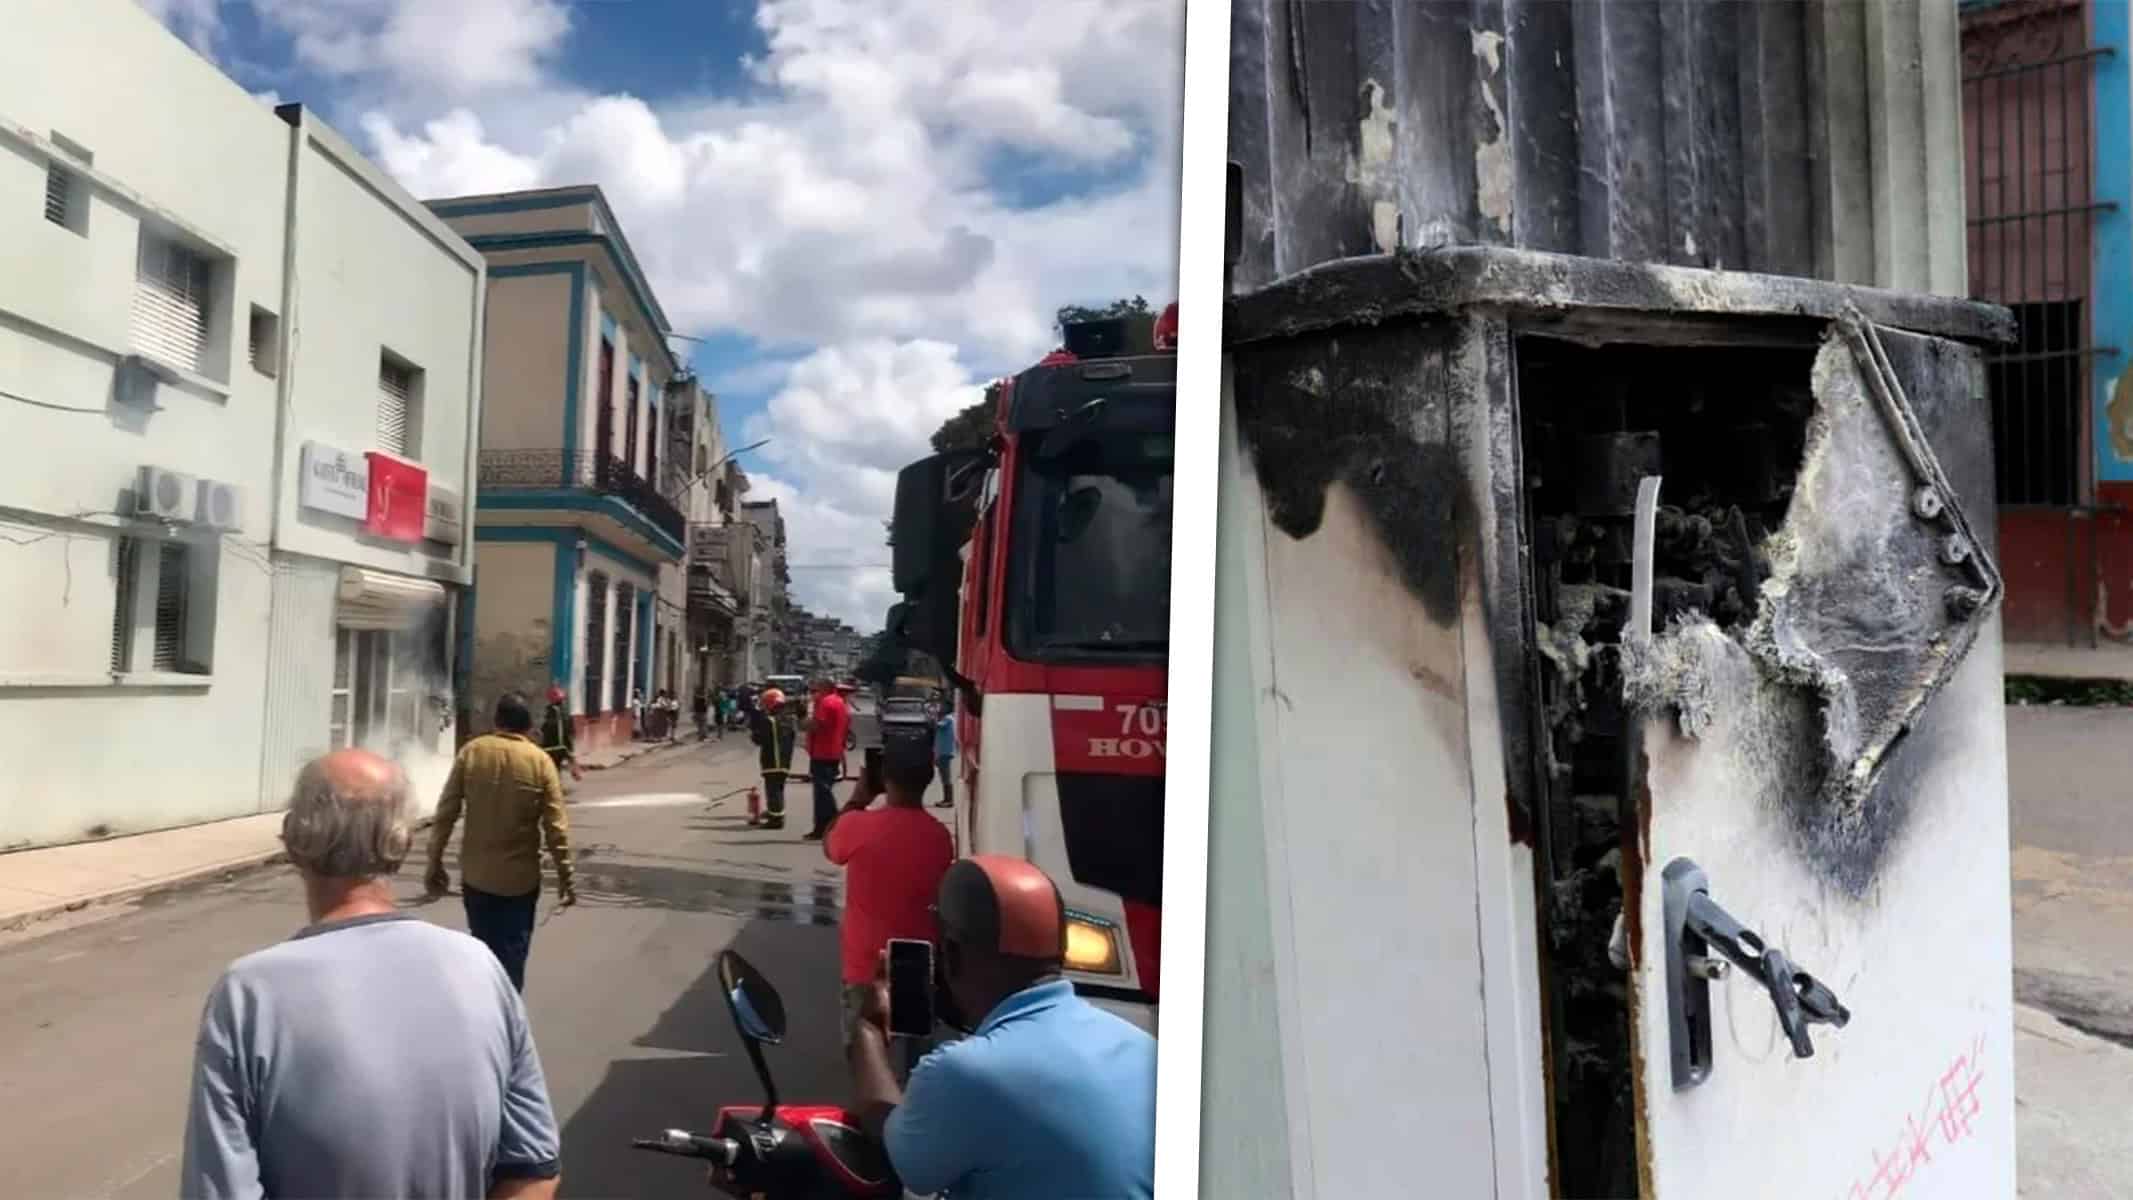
(1695, 926)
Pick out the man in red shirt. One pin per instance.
(893, 859)
(827, 727)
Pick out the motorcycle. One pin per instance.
(779, 1151)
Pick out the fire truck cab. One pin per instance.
(1036, 571)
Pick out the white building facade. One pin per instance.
(238, 376)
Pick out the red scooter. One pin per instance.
(779, 1151)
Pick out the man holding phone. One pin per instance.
(893, 859)
(1049, 1096)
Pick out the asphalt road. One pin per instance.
(96, 1022)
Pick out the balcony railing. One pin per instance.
(504, 470)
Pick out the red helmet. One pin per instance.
(555, 693)
(772, 698)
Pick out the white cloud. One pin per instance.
(847, 419)
(858, 215)
(453, 46)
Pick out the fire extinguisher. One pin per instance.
(755, 806)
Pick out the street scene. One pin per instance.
(633, 1035)
(586, 609)
(586, 595)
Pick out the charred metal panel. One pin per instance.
(1368, 410)
(1366, 291)
(1350, 630)
(1723, 135)
(1877, 589)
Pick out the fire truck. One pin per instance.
(1036, 570)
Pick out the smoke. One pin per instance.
(426, 752)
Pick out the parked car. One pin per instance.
(906, 717)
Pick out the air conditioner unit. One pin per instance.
(164, 495)
(220, 506)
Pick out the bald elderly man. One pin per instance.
(372, 1054)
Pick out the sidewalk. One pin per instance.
(2109, 660)
(37, 885)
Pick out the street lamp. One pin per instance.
(723, 459)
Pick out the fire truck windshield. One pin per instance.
(1091, 547)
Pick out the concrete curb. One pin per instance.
(232, 868)
(141, 888)
(227, 870)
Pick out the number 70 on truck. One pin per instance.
(1035, 569)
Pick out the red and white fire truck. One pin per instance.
(1037, 571)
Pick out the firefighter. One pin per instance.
(556, 737)
(774, 729)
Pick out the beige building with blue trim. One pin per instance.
(574, 525)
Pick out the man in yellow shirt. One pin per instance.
(512, 797)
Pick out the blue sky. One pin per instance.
(864, 209)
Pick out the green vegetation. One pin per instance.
(2070, 693)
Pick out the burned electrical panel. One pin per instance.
(1725, 428)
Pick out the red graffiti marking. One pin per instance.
(1946, 1118)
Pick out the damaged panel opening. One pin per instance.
(1727, 429)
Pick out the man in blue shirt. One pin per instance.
(373, 1054)
(1048, 1096)
(944, 754)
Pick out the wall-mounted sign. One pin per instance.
(442, 515)
(397, 505)
(335, 481)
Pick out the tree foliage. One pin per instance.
(970, 428)
(1068, 314)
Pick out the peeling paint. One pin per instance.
(1385, 226)
(1493, 176)
(1370, 166)
(2118, 416)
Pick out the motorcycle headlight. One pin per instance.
(1092, 946)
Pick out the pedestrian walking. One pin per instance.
(513, 802)
(827, 726)
(775, 732)
(944, 755)
(893, 858)
(372, 1054)
(700, 710)
(557, 740)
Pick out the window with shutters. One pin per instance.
(126, 578)
(170, 607)
(163, 607)
(595, 639)
(265, 342)
(625, 604)
(399, 407)
(66, 189)
(173, 291)
(65, 205)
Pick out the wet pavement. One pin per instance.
(96, 1021)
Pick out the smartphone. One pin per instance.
(910, 987)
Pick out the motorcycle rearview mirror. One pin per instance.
(758, 1016)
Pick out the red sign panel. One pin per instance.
(399, 498)
(1111, 734)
